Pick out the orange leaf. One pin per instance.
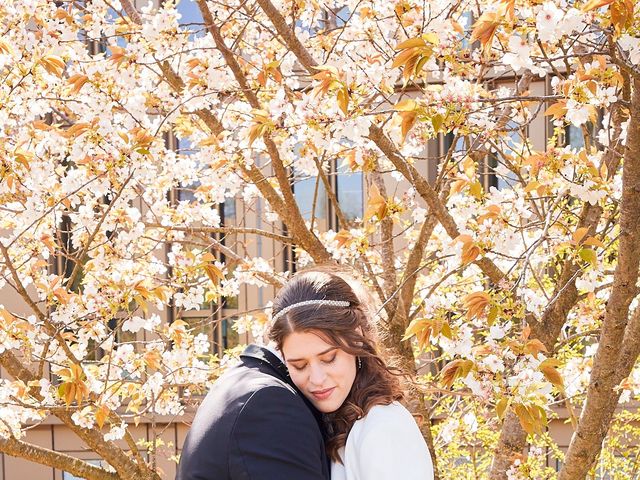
(594, 4)
(377, 205)
(548, 368)
(343, 99)
(102, 413)
(470, 252)
(422, 330)
(5, 48)
(594, 242)
(579, 234)
(526, 331)
(152, 359)
(53, 64)
(457, 368)
(404, 56)
(534, 347)
(458, 186)
(558, 109)
(408, 121)
(510, 6)
(485, 28)
(77, 81)
(343, 237)
(532, 418)
(406, 105)
(501, 407)
(621, 14)
(117, 54)
(213, 272)
(476, 304)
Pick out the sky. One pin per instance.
(190, 12)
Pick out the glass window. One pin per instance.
(448, 142)
(185, 192)
(306, 190)
(349, 193)
(229, 210)
(230, 337)
(466, 21)
(499, 174)
(200, 321)
(574, 137)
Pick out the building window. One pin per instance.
(574, 136)
(228, 336)
(349, 193)
(311, 197)
(499, 168)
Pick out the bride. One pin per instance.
(326, 337)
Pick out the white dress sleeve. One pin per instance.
(389, 446)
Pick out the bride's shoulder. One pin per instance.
(393, 409)
(385, 426)
(394, 412)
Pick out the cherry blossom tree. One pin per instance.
(507, 280)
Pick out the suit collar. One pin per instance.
(268, 357)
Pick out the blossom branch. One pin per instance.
(61, 461)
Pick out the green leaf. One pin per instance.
(421, 63)
(501, 407)
(588, 255)
(492, 315)
(437, 120)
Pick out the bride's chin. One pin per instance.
(324, 407)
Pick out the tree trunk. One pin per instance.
(602, 396)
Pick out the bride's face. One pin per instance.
(323, 373)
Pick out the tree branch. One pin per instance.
(61, 461)
(602, 396)
(116, 457)
(292, 216)
(225, 230)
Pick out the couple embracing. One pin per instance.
(317, 403)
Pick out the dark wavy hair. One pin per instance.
(348, 328)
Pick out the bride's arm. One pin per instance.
(390, 446)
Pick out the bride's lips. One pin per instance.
(323, 394)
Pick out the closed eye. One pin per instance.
(329, 360)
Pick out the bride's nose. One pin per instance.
(317, 374)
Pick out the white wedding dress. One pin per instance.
(384, 445)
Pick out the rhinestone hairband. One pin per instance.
(330, 303)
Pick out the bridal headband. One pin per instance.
(331, 303)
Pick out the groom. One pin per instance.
(254, 425)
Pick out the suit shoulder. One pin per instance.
(273, 395)
(251, 380)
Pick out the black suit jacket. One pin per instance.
(254, 425)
